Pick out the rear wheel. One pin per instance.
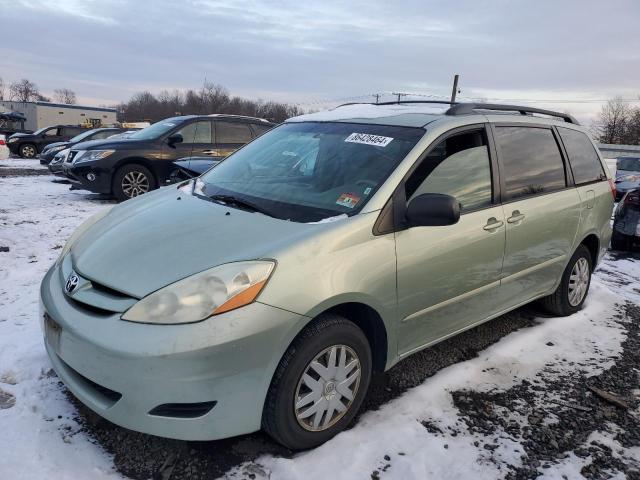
(132, 180)
(28, 150)
(574, 285)
(319, 384)
(620, 241)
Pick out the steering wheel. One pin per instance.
(366, 182)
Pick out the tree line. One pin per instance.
(145, 106)
(618, 123)
(25, 90)
(211, 98)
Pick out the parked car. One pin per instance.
(627, 175)
(50, 150)
(4, 150)
(626, 221)
(55, 165)
(190, 167)
(144, 161)
(265, 292)
(28, 145)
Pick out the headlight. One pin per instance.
(78, 232)
(11, 140)
(214, 291)
(88, 155)
(55, 149)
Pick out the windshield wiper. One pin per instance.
(240, 203)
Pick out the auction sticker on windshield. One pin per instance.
(348, 200)
(368, 139)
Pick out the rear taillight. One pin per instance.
(2, 142)
(613, 189)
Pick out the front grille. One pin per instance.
(183, 410)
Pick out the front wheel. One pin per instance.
(132, 180)
(28, 150)
(574, 285)
(319, 384)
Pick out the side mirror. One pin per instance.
(175, 138)
(433, 209)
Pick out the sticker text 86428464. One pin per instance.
(368, 139)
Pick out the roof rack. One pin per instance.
(466, 108)
(440, 102)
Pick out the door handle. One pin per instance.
(515, 217)
(493, 224)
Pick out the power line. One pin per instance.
(376, 97)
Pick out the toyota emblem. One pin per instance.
(72, 283)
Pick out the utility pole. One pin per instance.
(455, 88)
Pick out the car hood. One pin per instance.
(147, 243)
(107, 144)
(21, 135)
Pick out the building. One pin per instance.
(43, 114)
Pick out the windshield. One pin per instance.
(306, 172)
(82, 135)
(41, 130)
(157, 129)
(628, 164)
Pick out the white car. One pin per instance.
(4, 150)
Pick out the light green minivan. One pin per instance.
(265, 292)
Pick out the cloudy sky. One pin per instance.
(567, 55)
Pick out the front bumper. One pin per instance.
(123, 370)
(88, 177)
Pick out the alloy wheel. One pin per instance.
(28, 151)
(327, 388)
(578, 281)
(135, 183)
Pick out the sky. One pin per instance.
(564, 54)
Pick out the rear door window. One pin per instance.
(260, 129)
(584, 161)
(231, 132)
(531, 161)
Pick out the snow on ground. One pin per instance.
(37, 435)
(40, 439)
(17, 162)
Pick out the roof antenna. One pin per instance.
(454, 90)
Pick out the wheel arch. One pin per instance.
(592, 242)
(369, 321)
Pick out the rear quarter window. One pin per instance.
(584, 161)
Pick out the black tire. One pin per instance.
(278, 416)
(620, 242)
(125, 172)
(558, 302)
(28, 150)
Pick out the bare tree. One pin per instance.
(23, 91)
(2, 89)
(64, 95)
(613, 121)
